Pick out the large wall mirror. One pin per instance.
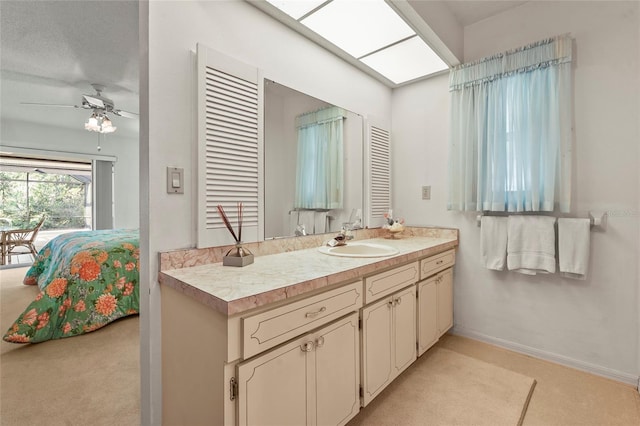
(313, 164)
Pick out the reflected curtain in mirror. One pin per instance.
(320, 164)
(510, 146)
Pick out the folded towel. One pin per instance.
(320, 223)
(493, 242)
(531, 244)
(306, 218)
(293, 221)
(573, 247)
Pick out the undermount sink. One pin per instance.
(359, 250)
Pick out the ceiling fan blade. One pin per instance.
(126, 114)
(48, 105)
(92, 101)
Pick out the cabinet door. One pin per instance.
(428, 332)
(377, 340)
(445, 301)
(337, 372)
(404, 329)
(314, 380)
(272, 388)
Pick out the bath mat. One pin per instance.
(444, 387)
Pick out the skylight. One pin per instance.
(296, 8)
(371, 32)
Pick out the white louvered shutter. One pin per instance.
(230, 105)
(378, 174)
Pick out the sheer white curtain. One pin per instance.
(320, 164)
(510, 139)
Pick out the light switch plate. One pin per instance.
(175, 180)
(426, 192)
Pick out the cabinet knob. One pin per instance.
(306, 347)
(320, 342)
(390, 304)
(315, 313)
(398, 300)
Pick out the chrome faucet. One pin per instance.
(300, 231)
(347, 230)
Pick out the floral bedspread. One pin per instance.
(87, 280)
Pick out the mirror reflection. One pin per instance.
(313, 164)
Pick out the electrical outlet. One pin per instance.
(426, 192)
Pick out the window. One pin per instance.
(510, 147)
(30, 187)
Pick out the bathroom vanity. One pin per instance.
(300, 337)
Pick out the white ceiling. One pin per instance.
(51, 52)
(469, 12)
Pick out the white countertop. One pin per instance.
(280, 276)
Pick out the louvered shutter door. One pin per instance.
(378, 174)
(229, 147)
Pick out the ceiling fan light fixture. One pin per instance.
(99, 122)
(92, 124)
(107, 126)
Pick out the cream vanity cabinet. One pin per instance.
(435, 299)
(388, 328)
(312, 380)
(291, 363)
(312, 359)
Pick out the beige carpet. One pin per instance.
(89, 379)
(446, 388)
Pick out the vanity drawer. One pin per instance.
(385, 283)
(268, 329)
(437, 263)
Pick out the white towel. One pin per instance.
(493, 242)
(306, 218)
(293, 221)
(573, 247)
(531, 244)
(320, 223)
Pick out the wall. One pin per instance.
(47, 138)
(590, 324)
(237, 29)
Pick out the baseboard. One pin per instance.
(608, 373)
(14, 265)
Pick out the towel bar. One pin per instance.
(595, 219)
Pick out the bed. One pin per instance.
(87, 279)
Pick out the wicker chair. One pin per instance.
(19, 241)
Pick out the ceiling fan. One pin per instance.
(101, 105)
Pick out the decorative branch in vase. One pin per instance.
(238, 255)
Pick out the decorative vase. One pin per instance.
(238, 256)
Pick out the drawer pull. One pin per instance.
(440, 262)
(306, 347)
(315, 313)
(320, 342)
